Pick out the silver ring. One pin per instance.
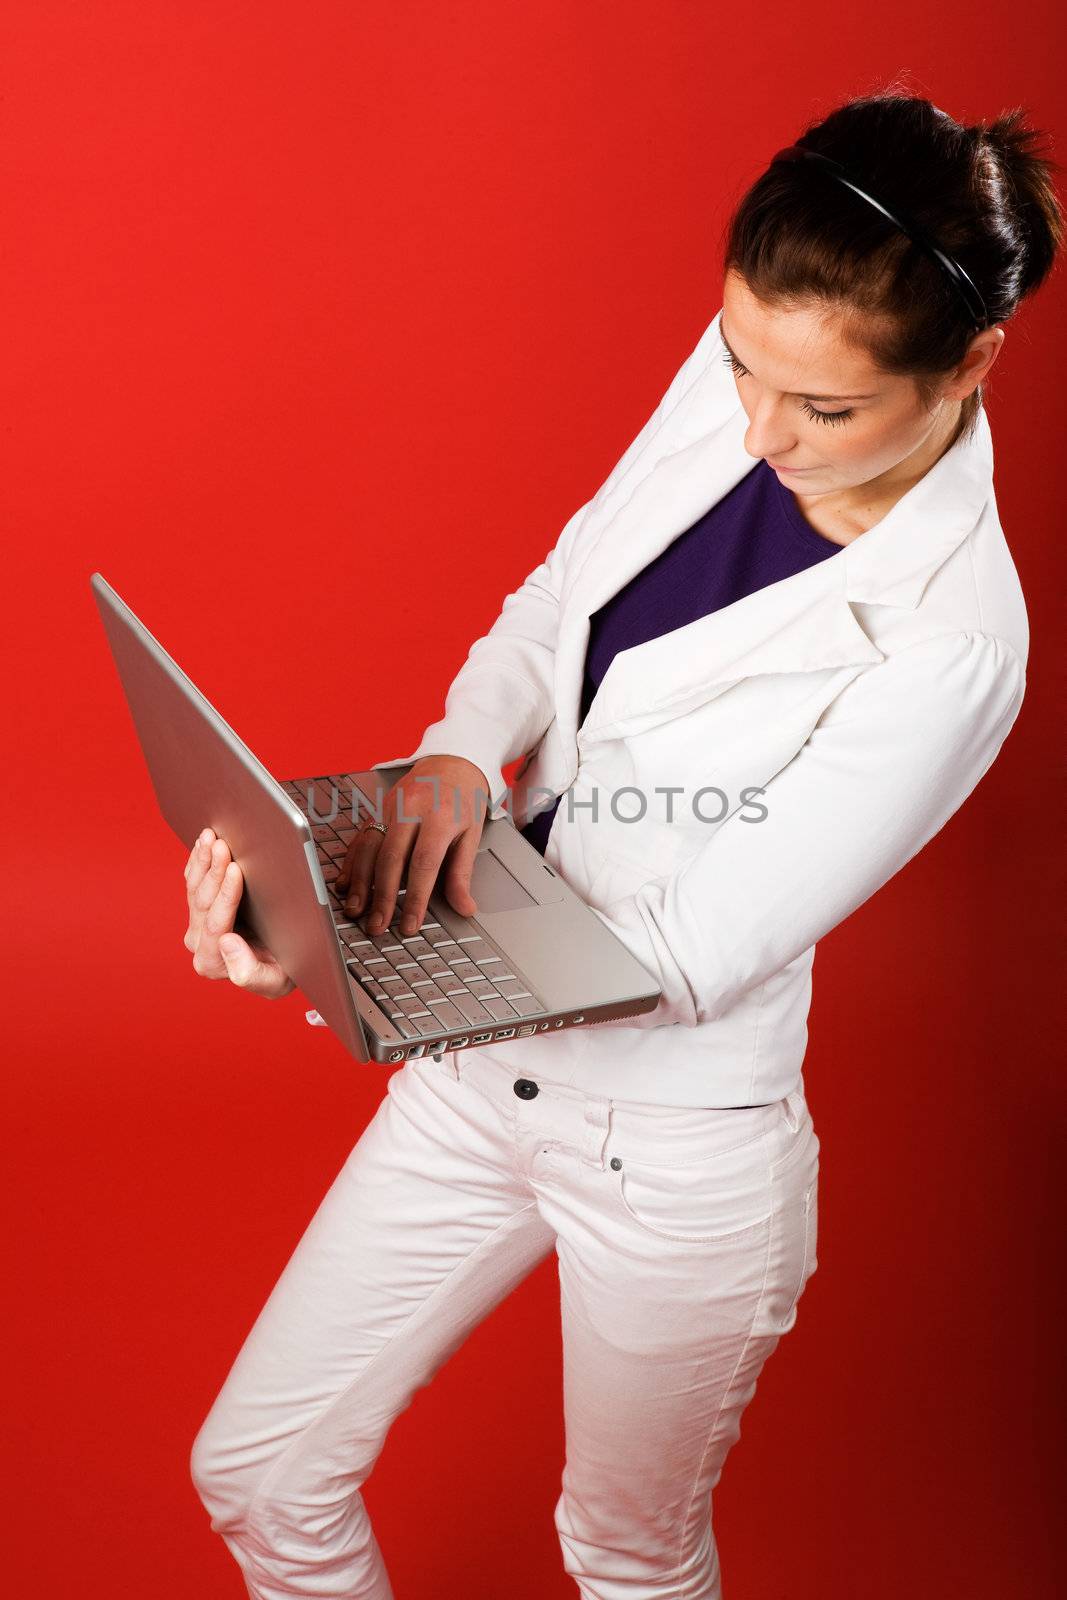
(379, 827)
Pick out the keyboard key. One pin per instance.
(402, 1025)
(448, 1015)
(430, 993)
(525, 1004)
(472, 1009)
(500, 1009)
(434, 967)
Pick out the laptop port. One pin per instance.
(416, 1050)
(526, 1029)
(457, 1044)
(481, 1038)
(504, 1033)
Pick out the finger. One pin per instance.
(203, 895)
(249, 971)
(430, 847)
(202, 883)
(359, 868)
(199, 857)
(217, 919)
(458, 869)
(222, 912)
(389, 863)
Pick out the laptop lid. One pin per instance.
(204, 776)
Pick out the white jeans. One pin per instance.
(684, 1239)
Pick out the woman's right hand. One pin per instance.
(213, 884)
(438, 820)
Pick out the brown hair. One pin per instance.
(984, 193)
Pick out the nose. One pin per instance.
(765, 440)
(767, 449)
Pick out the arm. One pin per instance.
(502, 699)
(890, 761)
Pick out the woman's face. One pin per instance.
(819, 412)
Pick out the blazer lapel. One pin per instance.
(803, 623)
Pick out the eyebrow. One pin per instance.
(740, 363)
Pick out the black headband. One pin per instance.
(961, 282)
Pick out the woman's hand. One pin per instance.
(448, 816)
(213, 884)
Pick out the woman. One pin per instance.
(763, 665)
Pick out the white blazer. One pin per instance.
(865, 697)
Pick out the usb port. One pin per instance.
(504, 1033)
(481, 1038)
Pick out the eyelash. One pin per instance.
(830, 418)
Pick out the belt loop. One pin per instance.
(597, 1118)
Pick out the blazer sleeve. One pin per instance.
(894, 756)
(502, 699)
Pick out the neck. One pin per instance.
(844, 517)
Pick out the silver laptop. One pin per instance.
(534, 958)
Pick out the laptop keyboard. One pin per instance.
(436, 980)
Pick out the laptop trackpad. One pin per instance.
(494, 888)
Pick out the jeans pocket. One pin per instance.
(698, 1201)
(807, 1233)
(794, 1231)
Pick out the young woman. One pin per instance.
(761, 667)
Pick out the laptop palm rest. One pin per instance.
(495, 888)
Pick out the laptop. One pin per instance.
(533, 959)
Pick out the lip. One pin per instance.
(777, 468)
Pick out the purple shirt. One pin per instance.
(752, 537)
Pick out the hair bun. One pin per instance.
(1025, 171)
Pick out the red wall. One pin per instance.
(320, 322)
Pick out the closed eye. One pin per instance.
(830, 418)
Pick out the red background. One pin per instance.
(320, 322)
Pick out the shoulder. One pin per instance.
(978, 589)
(940, 691)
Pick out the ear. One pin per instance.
(981, 353)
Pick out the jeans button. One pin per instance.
(525, 1088)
